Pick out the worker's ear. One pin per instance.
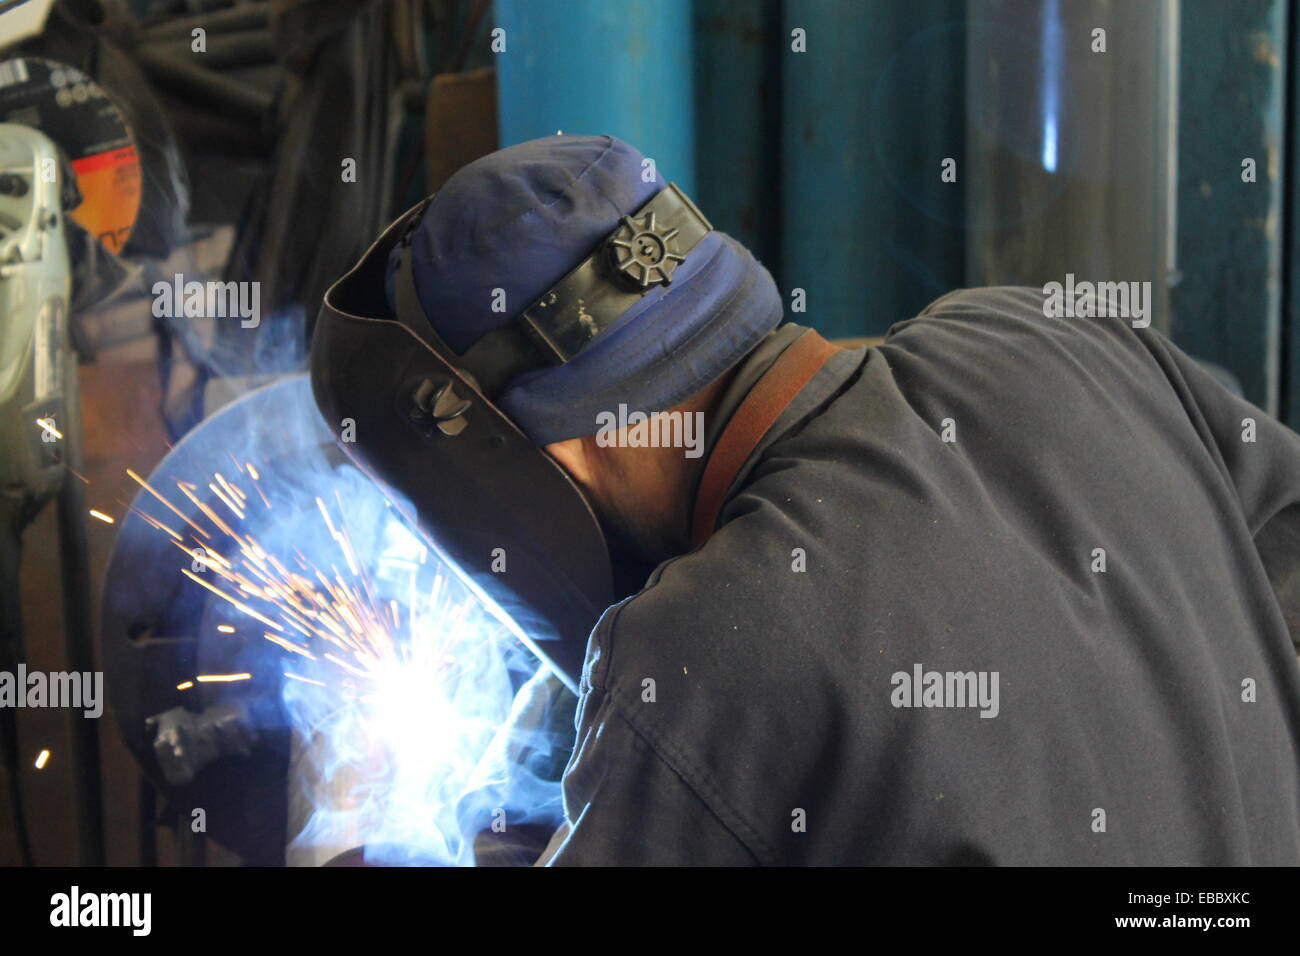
(575, 456)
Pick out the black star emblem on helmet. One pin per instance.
(643, 254)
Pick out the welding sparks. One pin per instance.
(315, 601)
(151, 521)
(374, 638)
(48, 426)
(290, 646)
(305, 680)
(237, 603)
(180, 514)
(101, 516)
(42, 759)
(229, 502)
(232, 490)
(252, 473)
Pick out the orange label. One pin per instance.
(110, 190)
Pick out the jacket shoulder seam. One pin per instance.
(697, 781)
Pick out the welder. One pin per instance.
(1007, 588)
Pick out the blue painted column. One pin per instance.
(869, 112)
(738, 54)
(598, 66)
(1228, 305)
(1289, 399)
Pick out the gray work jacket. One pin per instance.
(1005, 589)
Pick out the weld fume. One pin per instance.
(461, 731)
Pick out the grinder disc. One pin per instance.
(75, 111)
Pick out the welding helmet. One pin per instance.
(629, 297)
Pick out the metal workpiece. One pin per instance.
(1070, 164)
(161, 630)
(201, 692)
(185, 742)
(316, 785)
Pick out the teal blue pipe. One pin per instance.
(1227, 309)
(738, 51)
(623, 67)
(868, 114)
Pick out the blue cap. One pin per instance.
(519, 220)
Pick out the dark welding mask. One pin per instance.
(421, 418)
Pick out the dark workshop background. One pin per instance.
(1116, 165)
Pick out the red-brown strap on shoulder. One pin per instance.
(769, 397)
